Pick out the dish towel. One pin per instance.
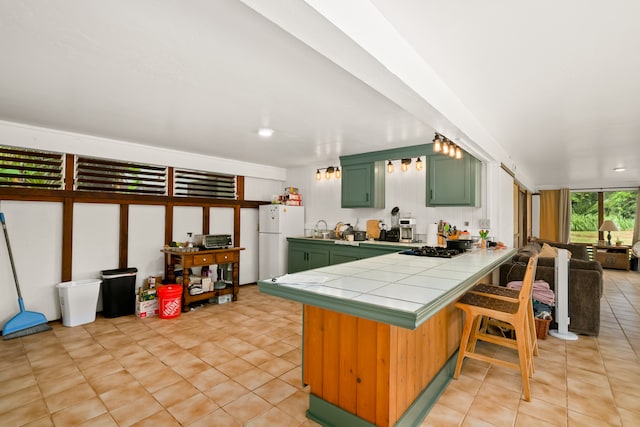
(299, 279)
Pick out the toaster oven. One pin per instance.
(213, 241)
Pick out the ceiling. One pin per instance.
(548, 89)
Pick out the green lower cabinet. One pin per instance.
(306, 254)
(303, 256)
(339, 258)
(317, 258)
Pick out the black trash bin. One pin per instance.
(118, 292)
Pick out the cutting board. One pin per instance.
(373, 229)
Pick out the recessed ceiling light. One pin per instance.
(265, 132)
(619, 169)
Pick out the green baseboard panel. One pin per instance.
(329, 415)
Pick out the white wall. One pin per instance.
(39, 138)
(95, 242)
(504, 225)
(146, 239)
(249, 241)
(261, 189)
(35, 234)
(535, 215)
(35, 231)
(407, 190)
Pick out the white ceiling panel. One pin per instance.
(551, 84)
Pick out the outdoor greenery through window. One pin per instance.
(618, 206)
(22, 168)
(37, 169)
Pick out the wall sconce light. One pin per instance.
(442, 145)
(405, 164)
(437, 143)
(329, 172)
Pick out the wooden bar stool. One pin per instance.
(484, 288)
(516, 312)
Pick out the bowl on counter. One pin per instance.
(461, 245)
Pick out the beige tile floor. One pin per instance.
(239, 364)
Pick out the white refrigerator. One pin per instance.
(277, 222)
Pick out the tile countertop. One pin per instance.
(397, 289)
(363, 243)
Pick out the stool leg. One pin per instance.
(464, 340)
(532, 326)
(524, 358)
(476, 327)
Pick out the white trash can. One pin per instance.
(79, 301)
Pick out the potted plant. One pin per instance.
(618, 242)
(483, 236)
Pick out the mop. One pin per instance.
(25, 322)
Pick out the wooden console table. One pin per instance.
(197, 259)
(610, 256)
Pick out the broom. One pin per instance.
(25, 322)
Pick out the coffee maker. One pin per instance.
(407, 228)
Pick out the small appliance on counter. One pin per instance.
(359, 235)
(460, 244)
(407, 228)
(392, 235)
(213, 241)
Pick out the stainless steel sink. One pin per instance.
(324, 236)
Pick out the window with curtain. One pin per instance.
(618, 206)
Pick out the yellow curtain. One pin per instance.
(549, 210)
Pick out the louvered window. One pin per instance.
(204, 184)
(119, 177)
(31, 169)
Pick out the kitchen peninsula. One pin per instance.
(379, 334)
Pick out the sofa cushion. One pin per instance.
(577, 251)
(548, 252)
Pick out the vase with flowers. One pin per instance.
(483, 237)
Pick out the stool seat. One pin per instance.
(484, 288)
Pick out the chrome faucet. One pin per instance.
(316, 229)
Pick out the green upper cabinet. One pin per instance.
(453, 182)
(363, 185)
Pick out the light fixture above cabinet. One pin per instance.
(405, 164)
(444, 146)
(329, 172)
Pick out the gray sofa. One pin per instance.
(585, 282)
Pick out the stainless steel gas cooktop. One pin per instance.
(433, 251)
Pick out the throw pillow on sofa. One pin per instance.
(549, 251)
